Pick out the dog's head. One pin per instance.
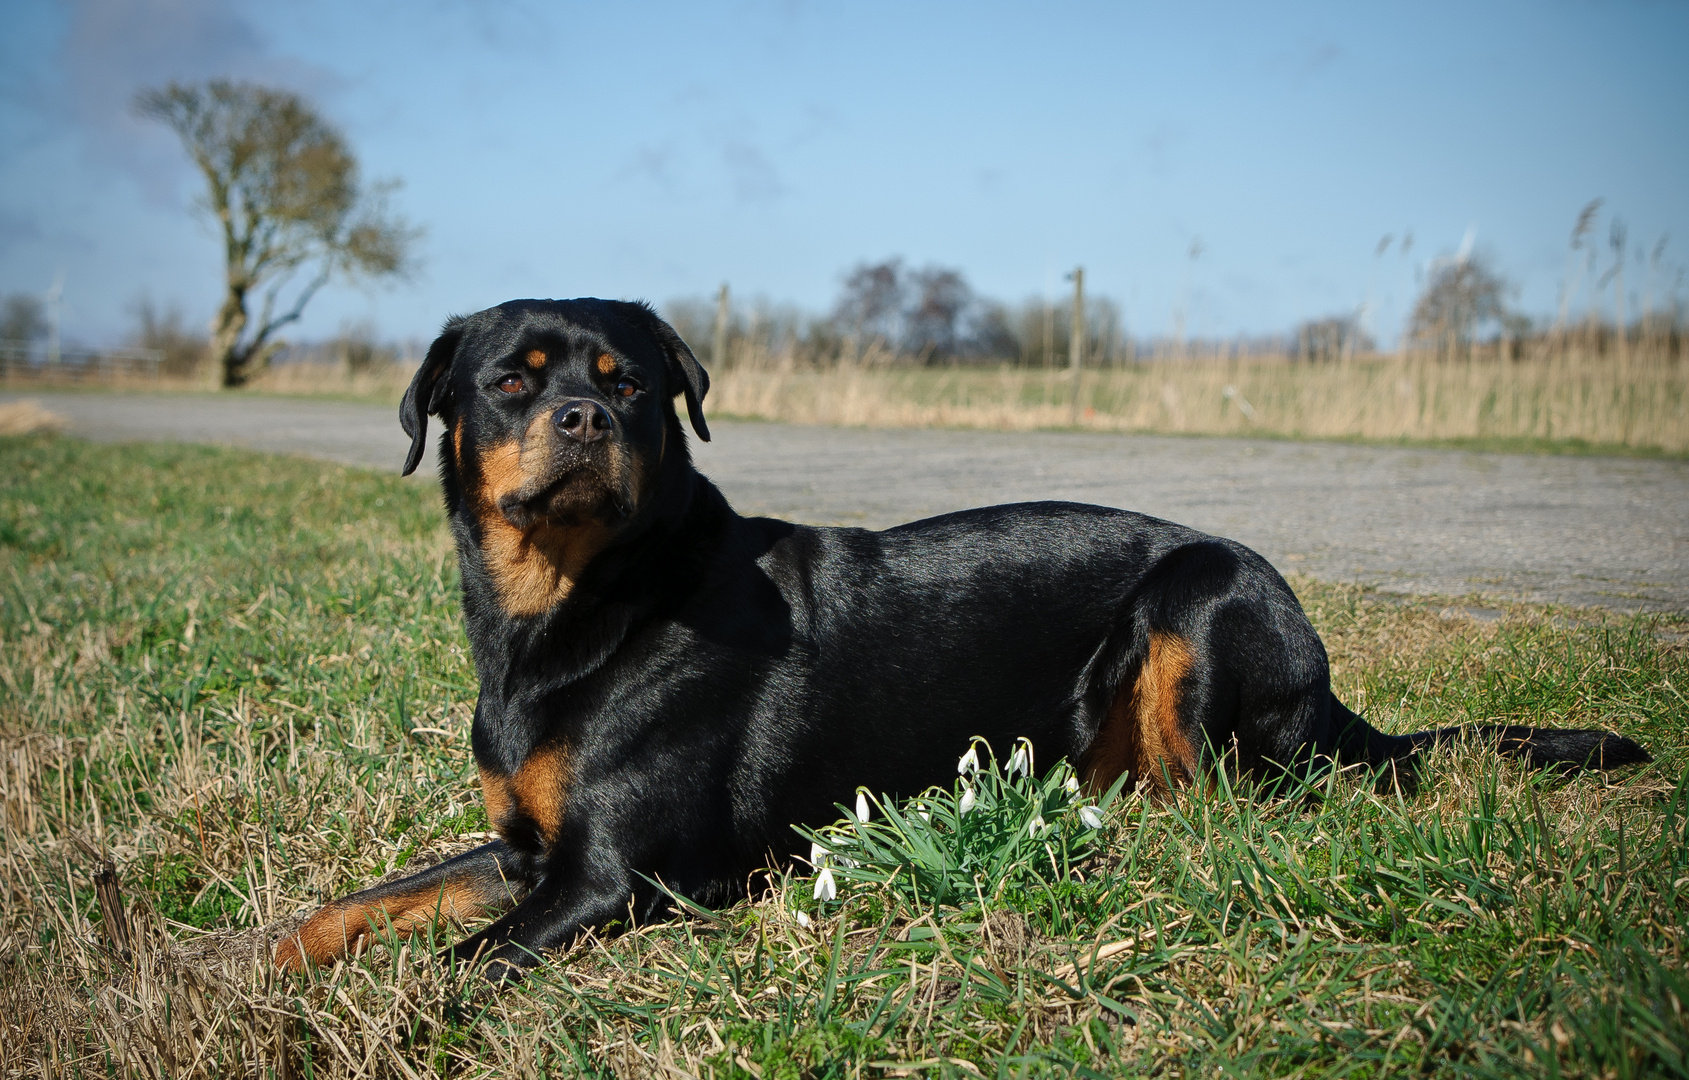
(560, 420)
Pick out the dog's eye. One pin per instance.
(511, 384)
(625, 388)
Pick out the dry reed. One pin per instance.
(333, 379)
(1642, 404)
(1569, 395)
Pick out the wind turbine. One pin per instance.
(1466, 243)
(55, 301)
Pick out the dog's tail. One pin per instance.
(1570, 750)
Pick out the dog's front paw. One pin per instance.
(498, 960)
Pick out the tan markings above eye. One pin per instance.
(511, 384)
(536, 358)
(606, 363)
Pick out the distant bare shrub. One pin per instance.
(939, 297)
(926, 315)
(183, 350)
(360, 352)
(1335, 337)
(870, 306)
(23, 320)
(1463, 295)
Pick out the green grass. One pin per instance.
(244, 679)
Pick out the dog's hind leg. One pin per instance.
(1144, 734)
(1218, 667)
(478, 883)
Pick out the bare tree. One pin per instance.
(1331, 338)
(991, 332)
(23, 320)
(940, 297)
(183, 349)
(283, 187)
(1461, 296)
(871, 305)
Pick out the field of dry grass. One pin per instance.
(241, 682)
(384, 383)
(1642, 405)
(1553, 399)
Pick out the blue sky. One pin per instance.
(656, 150)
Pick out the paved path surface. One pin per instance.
(1606, 531)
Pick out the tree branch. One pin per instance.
(269, 326)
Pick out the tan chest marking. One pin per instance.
(533, 569)
(1142, 728)
(538, 791)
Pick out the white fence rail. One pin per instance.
(23, 363)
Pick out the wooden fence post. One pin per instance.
(718, 347)
(1076, 342)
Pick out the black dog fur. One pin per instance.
(667, 687)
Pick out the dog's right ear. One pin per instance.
(428, 390)
(686, 375)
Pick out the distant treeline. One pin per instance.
(888, 313)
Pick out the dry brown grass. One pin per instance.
(380, 383)
(385, 382)
(29, 418)
(1643, 404)
(1563, 397)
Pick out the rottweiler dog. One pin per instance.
(667, 687)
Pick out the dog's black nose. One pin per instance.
(582, 420)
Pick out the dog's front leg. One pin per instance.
(477, 883)
(572, 895)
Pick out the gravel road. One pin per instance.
(1612, 532)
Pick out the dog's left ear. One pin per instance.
(683, 368)
(428, 390)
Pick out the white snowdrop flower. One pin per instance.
(825, 887)
(861, 804)
(1021, 760)
(803, 921)
(968, 800)
(1091, 816)
(1035, 826)
(817, 855)
(969, 762)
(1072, 785)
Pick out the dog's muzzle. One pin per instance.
(583, 420)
